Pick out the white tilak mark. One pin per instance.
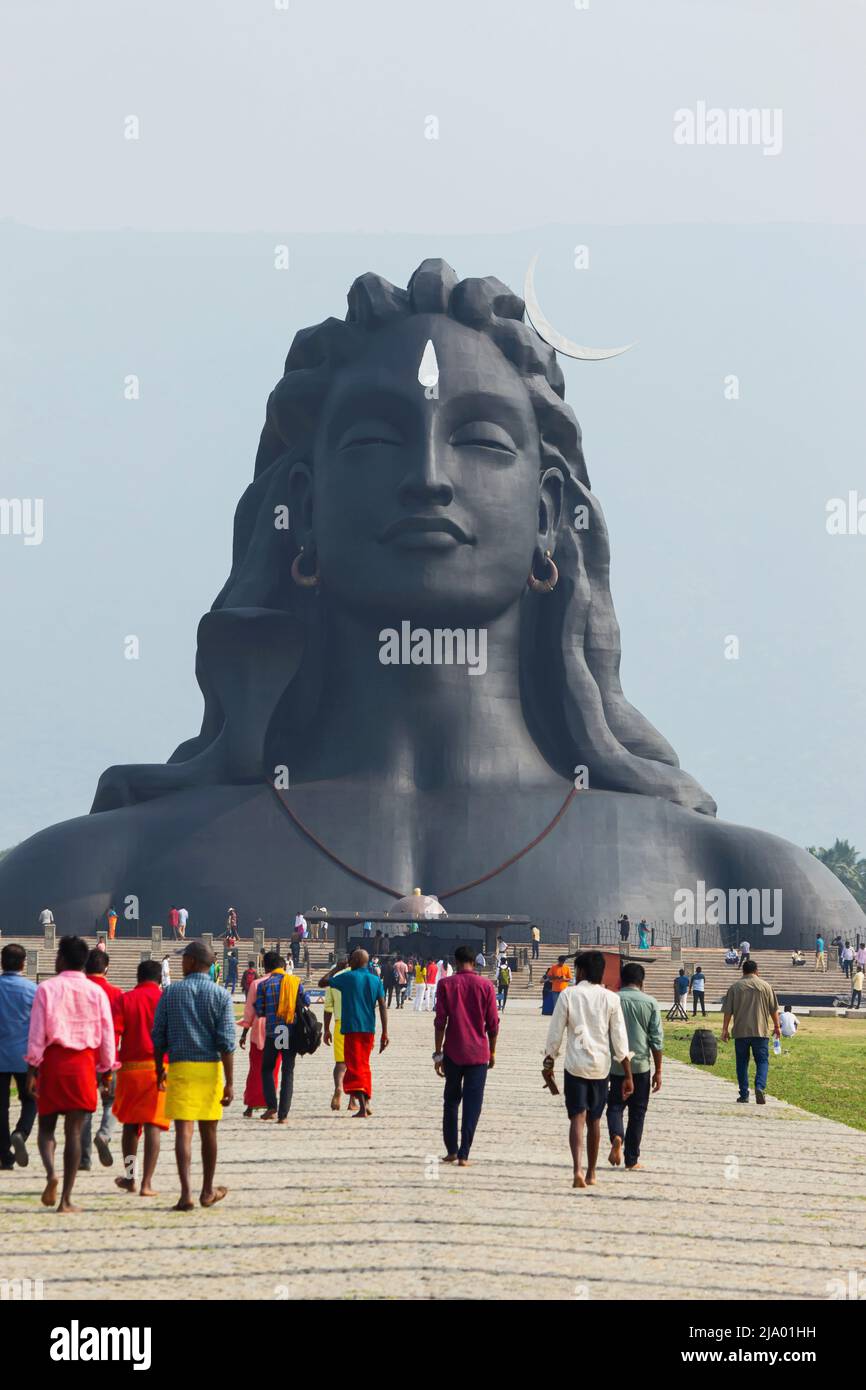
(428, 371)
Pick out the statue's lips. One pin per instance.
(425, 533)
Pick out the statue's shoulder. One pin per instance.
(805, 892)
(60, 863)
(78, 867)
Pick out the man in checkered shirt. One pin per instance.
(194, 1024)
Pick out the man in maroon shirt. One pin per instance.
(467, 1024)
(96, 970)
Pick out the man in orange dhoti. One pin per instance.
(139, 1104)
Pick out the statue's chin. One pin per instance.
(428, 605)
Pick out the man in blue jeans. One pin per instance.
(467, 1025)
(643, 1022)
(750, 1008)
(267, 1003)
(16, 1001)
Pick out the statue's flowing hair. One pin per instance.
(570, 641)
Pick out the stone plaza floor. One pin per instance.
(735, 1202)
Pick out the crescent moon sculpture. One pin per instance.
(545, 329)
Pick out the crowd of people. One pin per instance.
(77, 1046)
(80, 1048)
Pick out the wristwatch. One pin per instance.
(438, 1056)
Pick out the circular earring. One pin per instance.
(549, 583)
(305, 581)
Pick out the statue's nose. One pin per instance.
(426, 483)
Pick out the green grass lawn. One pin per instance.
(821, 1069)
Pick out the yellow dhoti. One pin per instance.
(194, 1091)
(337, 1035)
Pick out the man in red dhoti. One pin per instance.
(71, 1040)
(361, 991)
(139, 1104)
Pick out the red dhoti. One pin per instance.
(358, 1048)
(67, 1080)
(254, 1095)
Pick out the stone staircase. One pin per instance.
(774, 966)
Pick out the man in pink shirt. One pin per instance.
(401, 972)
(71, 1040)
(467, 1025)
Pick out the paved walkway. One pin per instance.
(735, 1201)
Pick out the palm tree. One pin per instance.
(845, 862)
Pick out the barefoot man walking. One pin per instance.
(139, 1103)
(590, 1019)
(333, 1006)
(71, 1041)
(360, 991)
(194, 1023)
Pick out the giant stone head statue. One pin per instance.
(418, 461)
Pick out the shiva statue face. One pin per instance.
(426, 502)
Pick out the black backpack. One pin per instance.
(307, 1031)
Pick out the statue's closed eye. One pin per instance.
(365, 433)
(484, 434)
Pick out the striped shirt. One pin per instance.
(194, 1021)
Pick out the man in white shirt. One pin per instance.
(788, 1022)
(745, 950)
(166, 973)
(590, 1019)
(440, 975)
(182, 919)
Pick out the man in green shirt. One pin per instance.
(751, 1006)
(643, 1023)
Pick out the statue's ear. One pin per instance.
(301, 504)
(550, 500)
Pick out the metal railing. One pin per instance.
(604, 931)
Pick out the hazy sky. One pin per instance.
(308, 127)
(312, 117)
